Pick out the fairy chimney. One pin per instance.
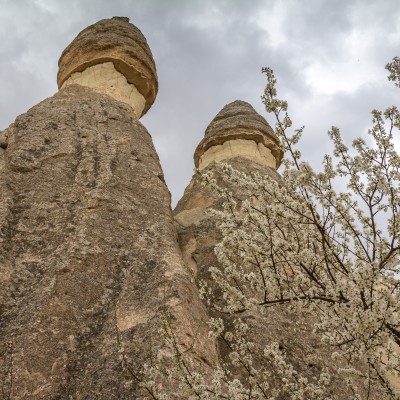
(113, 57)
(239, 136)
(92, 260)
(89, 259)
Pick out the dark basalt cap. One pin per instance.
(120, 42)
(239, 120)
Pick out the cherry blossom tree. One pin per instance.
(325, 241)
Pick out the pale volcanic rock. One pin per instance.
(113, 40)
(104, 78)
(250, 149)
(89, 262)
(239, 120)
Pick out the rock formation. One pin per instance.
(238, 131)
(116, 42)
(89, 261)
(241, 137)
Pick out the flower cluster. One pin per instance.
(325, 241)
(305, 240)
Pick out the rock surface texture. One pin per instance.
(104, 78)
(120, 42)
(198, 236)
(225, 138)
(89, 260)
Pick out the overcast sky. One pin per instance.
(328, 56)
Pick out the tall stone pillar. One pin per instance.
(242, 138)
(237, 136)
(89, 260)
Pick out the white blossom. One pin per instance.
(310, 243)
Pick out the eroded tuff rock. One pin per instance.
(239, 121)
(104, 78)
(89, 261)
(113, 40)
(198, 236)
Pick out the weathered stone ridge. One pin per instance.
(113, 40)
(104, 78)
(239, 120)
(239, 114)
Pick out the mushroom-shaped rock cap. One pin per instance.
(120, 42)
(239, 120)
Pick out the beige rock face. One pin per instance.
(113, 40)
(198, 236)
(256, 152)
(104, 78)
(89, 261)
